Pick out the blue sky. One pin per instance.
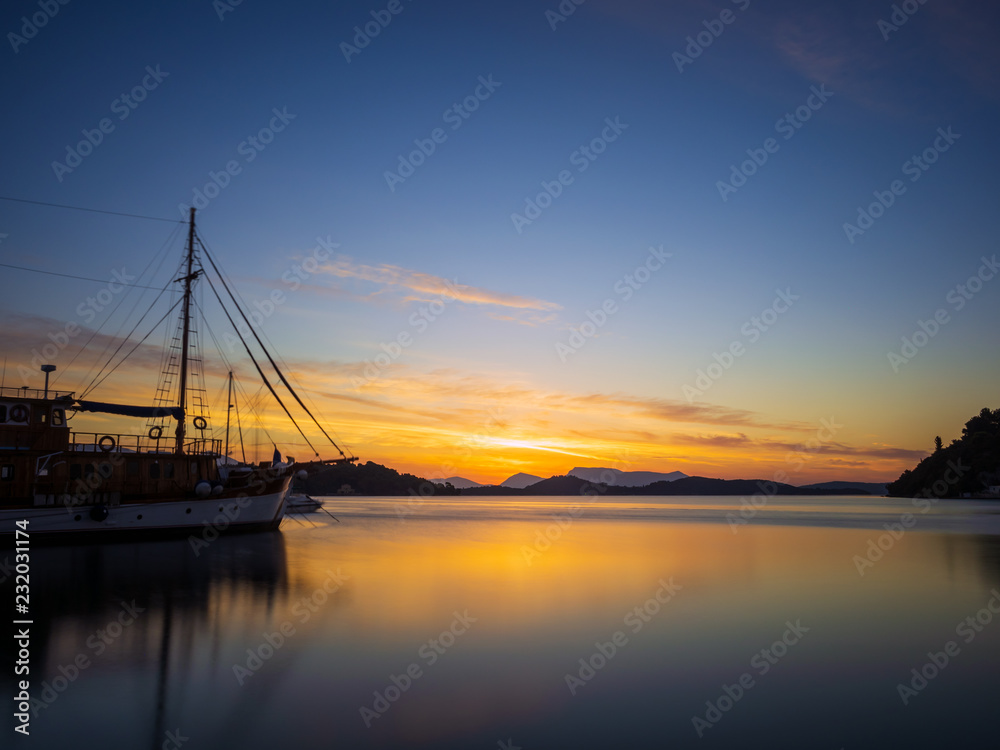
(656, 185)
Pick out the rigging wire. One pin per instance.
(229, 366)
(91, 210)
(239, 427)
(277, 370)
(81, 350)
(98, 379)
(254, 360)
(232, 288)
(72, 276)
(131, 352)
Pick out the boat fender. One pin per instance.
(302, 474)
(203, 488)
(106, 443)
(199, 423)
(155, 432)
(99, 512)
(217, 488)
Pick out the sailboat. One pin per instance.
(55, 481)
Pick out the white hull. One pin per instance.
(196, 515)
(301, 503)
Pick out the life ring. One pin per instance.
(106, 443)
(99, 512)
(155, 432)
(199, 423)
(19, 413)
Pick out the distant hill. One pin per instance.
(461, 483)
(564, 485)
(370, 479)
(520, 481)
(618, 478)
(706, 486)
(968, 465)
(571, 485)
(864, 488)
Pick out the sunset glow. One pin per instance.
(491, 242)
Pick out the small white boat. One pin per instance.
(299, 502)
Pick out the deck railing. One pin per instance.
(117, 443)
(9, 391)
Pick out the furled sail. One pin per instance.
(146, 412)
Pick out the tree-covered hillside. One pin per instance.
(968, 465)
(371, 479)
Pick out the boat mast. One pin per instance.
(188, 277)
(229, 409)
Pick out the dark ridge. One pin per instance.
(372, 479)
(968, 466)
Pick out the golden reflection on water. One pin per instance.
(361, 597)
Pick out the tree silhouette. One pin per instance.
(963, 468)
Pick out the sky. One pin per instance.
(734, 239)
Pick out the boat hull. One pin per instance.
(200, 518)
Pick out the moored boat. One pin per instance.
(64, 482)
(299, 502)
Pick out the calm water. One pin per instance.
(462, 624)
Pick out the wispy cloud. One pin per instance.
(425, 287)
(740, 440)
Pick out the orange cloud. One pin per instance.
(448, 422)
(427, 287)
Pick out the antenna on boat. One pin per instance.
(47, 369)
(188, 278)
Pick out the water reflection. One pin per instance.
(139, 620)
(458, 627)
